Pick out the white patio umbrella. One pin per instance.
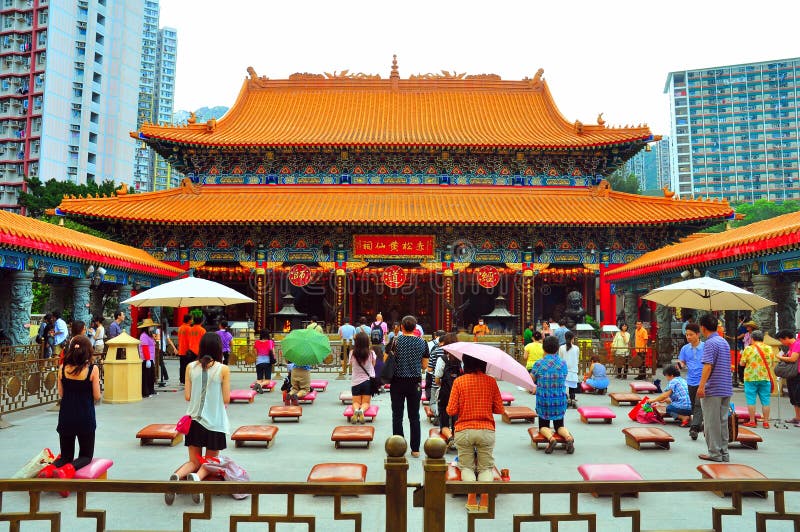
(188, 292)
(707, 293)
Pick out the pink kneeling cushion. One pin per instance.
(94, 469)
(372, 411)
(601, 472)
(596, 412)
(242, 395)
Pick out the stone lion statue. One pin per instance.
(575, 313)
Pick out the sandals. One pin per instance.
(766, 424)
(570, 446)
(258, 389)
(750, 424)
(551, 445)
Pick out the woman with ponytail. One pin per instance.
(207, 390)
(569, 353)
(79, 389)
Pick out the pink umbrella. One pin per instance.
(499, 364)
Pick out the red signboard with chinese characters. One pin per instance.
(487, 276)
(394, 277)
(399, 246)
(299, 275)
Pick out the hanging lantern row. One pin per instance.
(557, 275)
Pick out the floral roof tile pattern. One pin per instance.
(31, 235)
(394, 205)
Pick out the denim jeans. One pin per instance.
(406, 393)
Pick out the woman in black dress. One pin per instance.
(79, 389)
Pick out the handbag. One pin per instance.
(387, 372)
(183, 424)
(733, 424)
(786, 370)
(374, 387)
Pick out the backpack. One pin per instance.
(452, 370)
(376, 334)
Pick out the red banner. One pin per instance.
(394, 277)
(487, 276)
(402, 246)
(299, 275)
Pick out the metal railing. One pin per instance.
(430, 496)
(26, 379)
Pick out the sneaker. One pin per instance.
(354, 418)
(570, 446)
(258, 389)
(197, 498)
(169, 497)
(693, 434)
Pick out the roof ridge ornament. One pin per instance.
(537, 83)
(668, 193)
(600, 121)
(602, 189)
(394, 76)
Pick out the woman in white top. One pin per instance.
(362, 361)
(569, 353)
(620, 347)
(99, 336)
(207, 391)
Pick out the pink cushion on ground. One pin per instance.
(743, 414)
(642, 386)
(596, 412)
(585, 387)
(270, 385)
(319, 384)
(309, 397)
(94, 469)
(242, 395)
(372, 411)
(608, 472)
(506, 397)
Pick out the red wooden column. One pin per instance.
(608, 301)
(447, 300)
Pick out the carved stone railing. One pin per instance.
(432, 497)
(26, 380)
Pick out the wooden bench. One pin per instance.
(159, 431)
(243, 395)
(429, 413)
(643, 387)
(338, 472)
(257, 433)
(618, 398)
(319, 385)
(352, 434)
(285, 412)
(609, 472)
(725, 471)
(516, 413)
(507, 398)
(308, 398)
(369, 414)
(538, 439)
(636, 436)
(596, 412)
(346, 398)
(748, 439)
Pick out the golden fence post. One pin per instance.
(435, 467)
(396, 467)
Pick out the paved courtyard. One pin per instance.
(300, 445)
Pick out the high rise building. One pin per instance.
(68, 91)
(662, 150)
(735, 131)
(156, 97)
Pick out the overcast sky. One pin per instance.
(608, 56)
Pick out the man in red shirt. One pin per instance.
(474, 399)
(183, 346)
(196, 332)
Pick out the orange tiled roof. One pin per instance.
(31, 235)
(768, 236)
(393, 204)
(476, 111)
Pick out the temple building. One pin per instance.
(431, 195)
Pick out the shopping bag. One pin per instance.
(225, 468)
(635, 410)
(35, 464)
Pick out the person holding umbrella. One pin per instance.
(474, 399)
(304, 348)
(550, 375)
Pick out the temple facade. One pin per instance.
(430, 195)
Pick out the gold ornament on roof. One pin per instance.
(192, 118)
(445, 74)
(600, 121)
(298, 76)
(484, 77)
(537, 83)
(345, 74)
(668, 193)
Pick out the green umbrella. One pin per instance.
(305, 347)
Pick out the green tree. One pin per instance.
(756, 212)
(42, 196)
(623, 181)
